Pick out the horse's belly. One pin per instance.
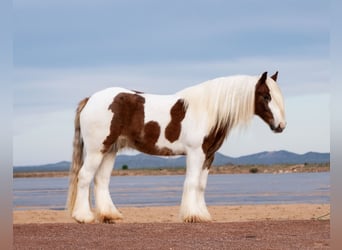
(150, 144)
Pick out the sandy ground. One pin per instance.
(299, 226)
(170, 214)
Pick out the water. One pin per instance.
(237, 189)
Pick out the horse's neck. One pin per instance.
(226, 101)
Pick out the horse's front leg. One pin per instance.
(203, 184)
(193, 207)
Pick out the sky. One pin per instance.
(64, 51)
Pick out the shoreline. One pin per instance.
(227, 169)
(170, 214)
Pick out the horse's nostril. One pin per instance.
(279, 129)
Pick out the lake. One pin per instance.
(236, 189)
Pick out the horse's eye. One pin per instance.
(267, 98)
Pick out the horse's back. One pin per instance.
(153, 104)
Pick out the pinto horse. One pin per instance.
(193, 122)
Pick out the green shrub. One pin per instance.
(124, 167)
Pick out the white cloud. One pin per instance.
(296, 76)
(44, 138)
(69, 33)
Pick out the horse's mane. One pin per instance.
(227, 101)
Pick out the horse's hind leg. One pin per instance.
(82, 210)
(106, 210)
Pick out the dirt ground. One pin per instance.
(302, 234)
(299, 226)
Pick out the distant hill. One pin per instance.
(282, 157)
(147, 161)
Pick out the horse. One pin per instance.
(193, 122)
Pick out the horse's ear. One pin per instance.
(275, 76)
(263, 77)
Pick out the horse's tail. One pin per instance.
(77, 158)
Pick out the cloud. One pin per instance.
(53, 88)
(43, 138)
(109, 33)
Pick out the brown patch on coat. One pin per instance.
(262, 98)
(146, 141)
(128, 118)
(212, 142)
(128, 122)
(173, 129)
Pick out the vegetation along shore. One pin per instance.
(225, 169)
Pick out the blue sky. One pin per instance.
(66, 50)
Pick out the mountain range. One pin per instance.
(148, 161)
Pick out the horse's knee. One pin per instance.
(84, 178)
(89, 169)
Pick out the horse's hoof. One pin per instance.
(109, 219)
(196, 219)
(89, 218)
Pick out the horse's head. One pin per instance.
(269, 104)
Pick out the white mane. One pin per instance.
(226, 101)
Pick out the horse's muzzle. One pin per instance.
(278, 129)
